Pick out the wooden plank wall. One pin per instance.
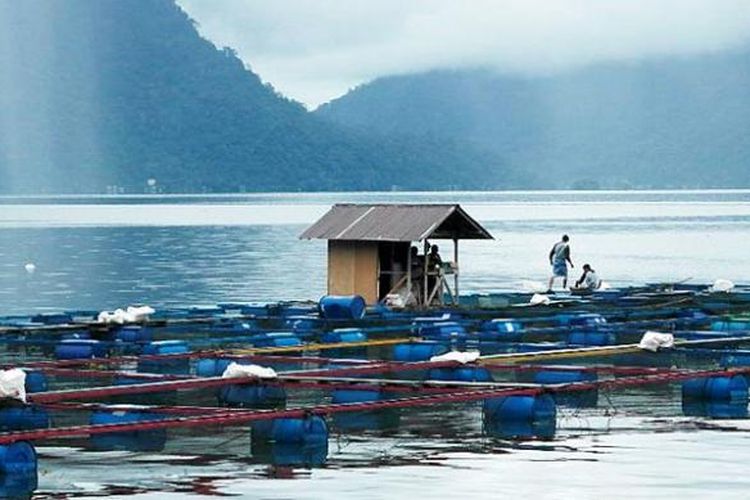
(353, 269)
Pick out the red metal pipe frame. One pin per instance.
(238, 417)
(200, 383)
(176, 382)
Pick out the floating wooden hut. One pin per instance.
(369, 250)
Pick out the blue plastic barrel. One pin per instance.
(356, 396)
(80, 349)
(36, 382)
(715, 409)
(342, 307)
(232, 307)
(80, 315)
(176, 366)
(730, 325)
(23, 418)
(211, 367)
(501, 329)
(204, 311)
(275, 339)
(461, 374)
(291, 454)
(592, 338)
(18, 470)
(694, 316)
(292, 309)
(309, 430)
(233, 326)
(588, 320)
(442, 330)
(146, 440)
(257, 309)
(418, 351)
(730, 388)
(520, 429)
(52, 318)
(244, 395)
(344, 335)
(303, 323)
(521, 408)
(162, 347)
(76, 335)
(736, 358)
(206, 367)
(564, 376)
(133, 334)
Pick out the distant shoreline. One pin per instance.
(280, 194)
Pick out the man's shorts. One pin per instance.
(560, 269)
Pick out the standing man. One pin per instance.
(559, 257)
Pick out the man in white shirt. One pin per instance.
(589, 280)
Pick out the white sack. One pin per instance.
(140, 313)
(13, 384)
(459, 356)
(653, 341)
(235, 370)
(539, 299)
(121, 316)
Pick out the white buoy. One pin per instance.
(30, 267)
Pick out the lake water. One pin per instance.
(105, 252)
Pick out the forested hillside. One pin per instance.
(106, 94)
(658, 123)
(126, 96)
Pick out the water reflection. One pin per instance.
(717, 410)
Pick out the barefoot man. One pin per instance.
(559, 257)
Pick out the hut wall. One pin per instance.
(353, 269)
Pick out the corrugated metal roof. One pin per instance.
(383, 222)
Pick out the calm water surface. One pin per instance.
(105, 252)
(113, 251)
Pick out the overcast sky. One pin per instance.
(315, 50)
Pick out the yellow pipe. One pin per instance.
(560, 354)
(583, 352)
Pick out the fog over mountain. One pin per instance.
(666, 122)
(316, 50)
(136, 96)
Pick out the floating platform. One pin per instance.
(304, 371)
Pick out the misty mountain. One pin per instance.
(106, 94)
(672, 122)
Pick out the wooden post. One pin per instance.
(455, 271)
(426, 268)
(408, 273)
